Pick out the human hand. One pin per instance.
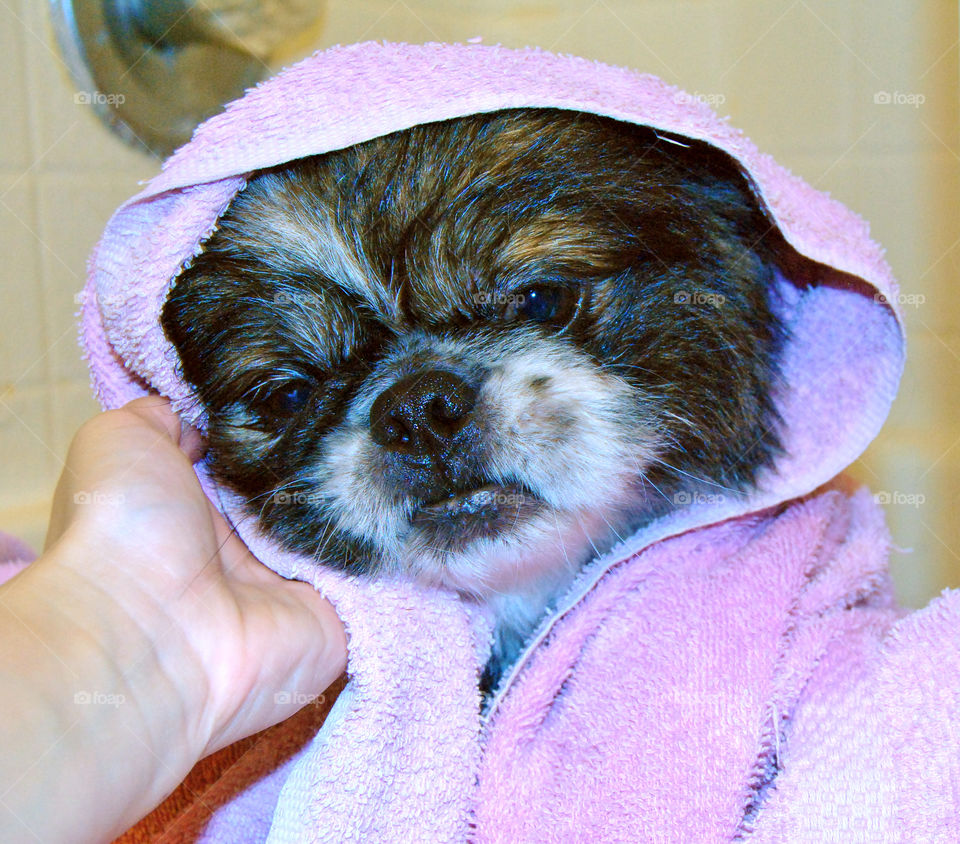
(174, 610)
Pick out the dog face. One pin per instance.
(477, 351)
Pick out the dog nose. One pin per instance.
(422, 413)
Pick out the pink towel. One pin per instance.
(15, 556)
(765, 689)
(735, 670)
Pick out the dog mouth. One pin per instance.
(485, 511)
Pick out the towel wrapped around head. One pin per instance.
(735, 670)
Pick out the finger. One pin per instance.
(157, 412)
(192, 442)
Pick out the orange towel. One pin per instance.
(220, 777)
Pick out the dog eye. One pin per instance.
(552, 304)
(289, 399)
(548, 304)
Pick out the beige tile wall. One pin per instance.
(799, 77)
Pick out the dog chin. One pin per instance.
(540, 549)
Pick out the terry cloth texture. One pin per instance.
(734, 671)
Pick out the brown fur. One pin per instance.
(332, 277)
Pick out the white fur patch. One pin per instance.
(549, 419)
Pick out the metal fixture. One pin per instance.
(153, 69)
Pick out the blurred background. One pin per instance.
(861, 100)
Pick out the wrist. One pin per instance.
(82, 677)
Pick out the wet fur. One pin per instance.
(350, 270)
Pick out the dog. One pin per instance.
(479, 352)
